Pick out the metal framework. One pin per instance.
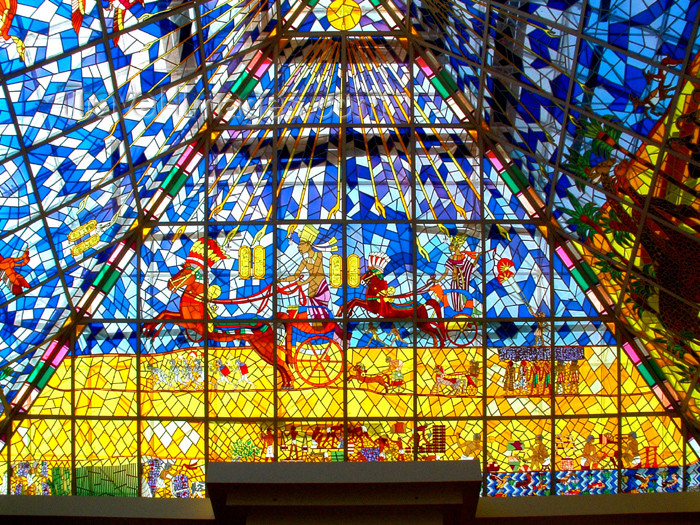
(544, 221)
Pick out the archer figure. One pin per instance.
(311, 272)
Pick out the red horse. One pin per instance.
(259, 335)
(378, 302)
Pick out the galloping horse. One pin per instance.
(259, 335)
(378, 302)
(457, 383)
(359, 372)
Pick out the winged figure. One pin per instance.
(10, 276)
(8, 10)
(118, 8)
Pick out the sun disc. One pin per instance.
(344, 14)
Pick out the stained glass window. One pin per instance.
(349, 230)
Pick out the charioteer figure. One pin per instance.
(458, 267)
(311, 272)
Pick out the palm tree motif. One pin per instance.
(670, 267)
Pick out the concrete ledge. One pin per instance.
(586, 505)
(247, 493)
(101, 507)
(82, 509)
(391, 473)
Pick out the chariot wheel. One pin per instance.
(194, 336)
(319, 361)
(461, 330)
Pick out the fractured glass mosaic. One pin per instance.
(349, 230)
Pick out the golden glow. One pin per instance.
(344, 14)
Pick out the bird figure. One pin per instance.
(500, 482)
(644, 480)
(525, 482)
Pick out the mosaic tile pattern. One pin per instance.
(349, 230)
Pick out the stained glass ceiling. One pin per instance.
(554, 143)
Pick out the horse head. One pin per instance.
(183, 278)
(367, 277)
(375, 283)
(357, 369)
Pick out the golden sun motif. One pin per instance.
(344, 14)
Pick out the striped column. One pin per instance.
(586, 278)
(42, 372)
(633, 349)
(446, 86)
(126, 249)
(107, 277)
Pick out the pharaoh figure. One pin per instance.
(475, 371)
(573, 377)
(560, 376)
(196, 263)
(395, 368)
(311, 273)
(524, 377)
